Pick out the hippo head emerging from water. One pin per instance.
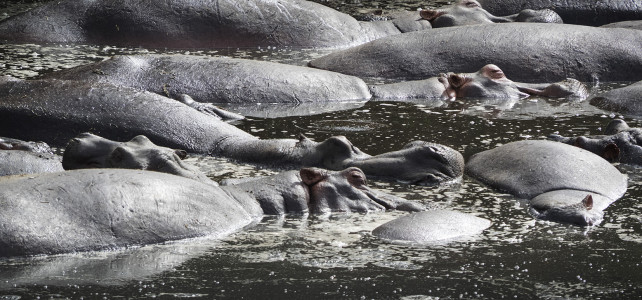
(490, 82)
(92, 151)
(416, 163)
(470, 12)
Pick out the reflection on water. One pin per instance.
(336, 256)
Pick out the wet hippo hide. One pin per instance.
(624, 100)
(16, 162)
(569, 175)
(55, 111)
(193, 24)
(528, 52)
(220, 79)
(431, 226)
(582, 12)
(637, 24)
(99, 209)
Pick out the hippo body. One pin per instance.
(635, 24)
(220, 80)
(431, 226)
(16, 162)
(594, 13)
(194, 24)
(528, 169)
(624, 100)
(528, 52)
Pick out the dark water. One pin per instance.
(335, 256)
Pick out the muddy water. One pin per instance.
(335, 256)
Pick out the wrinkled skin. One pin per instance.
(620, 143)
(470, 12)
(196, 24)
(488, 82)
(624, 100)
(593, 13)
(57, 110)
(555, 177)
(526, 52)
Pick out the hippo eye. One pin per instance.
(496, 73)
(356, 178)
(471, 4)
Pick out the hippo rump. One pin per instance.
(581, 12)
(624, 100)
(620, 143)
(529, 52)
(55, 111)
(564, 183)
(196, 24)
(98, 209)
(470, 12)
(431, 226)
(220, 79)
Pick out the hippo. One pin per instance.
(98, 209)
(635, 24)
(55, 111)
(594, 13)
(528, 52)
(24, 157)
(220, 79)
(624, 100)
(563, 183)
(182, 24)
(470, 12)
(240, 81)
(432, 226)
(488, 82)
(620, 143)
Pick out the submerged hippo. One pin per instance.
(220, 79)
(97, 209)
(197, 24)
(564, 183)
(470, 12)
(624, 100)
(620, 143)
(488, 82)
(529, 52)
(582, 12)
(57, 110)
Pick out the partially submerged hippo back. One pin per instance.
(528, 169)
(431, 226)
(624, 100)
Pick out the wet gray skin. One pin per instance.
(23, 157)
(489, 82)
(526, 52)
(470, 12)
(635, 24)
(555, 177)
(625, 99)
(593, 13)
(196, 24)
(56, 111)
(620, 143)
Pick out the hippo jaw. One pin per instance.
(417, 162)
(91, 151)
(581, 213)
(347, 191)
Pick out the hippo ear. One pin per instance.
(430, 14)
(588, 202)
(311, 176)
(182, 154)
(302, 137)
(611, 152)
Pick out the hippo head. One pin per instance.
(417, 163)
(347, 191)
(490, 82)
(92, 151)
(581, 213)
(470, 12)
